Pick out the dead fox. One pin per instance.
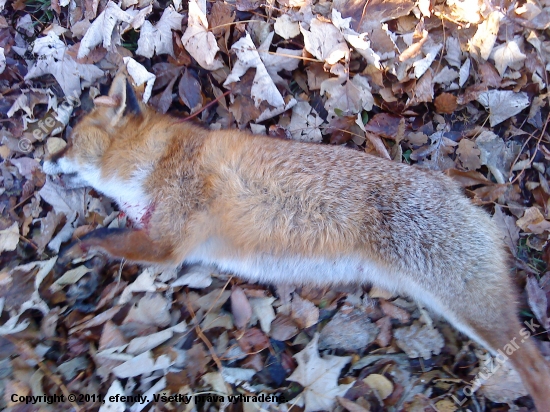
(272, 210)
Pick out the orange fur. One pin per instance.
(282, 211)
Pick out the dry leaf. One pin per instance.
(9, 238)
(533, 221)
(486, 35)
(504, 384)
(263, 87)
(419, 340)
(240, 307)
(445, 103)
(324, 41)
(304, 313)
(319, 377)
(348, 331)
(101, 30)
(537, 301)
(509, 229)
(52, 58)
(508, 55)
(197, 40)
(382, 385)
(503, 104)
(158, 38)
(469, 154)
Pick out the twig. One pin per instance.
(205, 107)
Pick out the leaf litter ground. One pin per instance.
(455, 86)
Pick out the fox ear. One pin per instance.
(121, 99)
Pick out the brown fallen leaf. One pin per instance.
(385, 335)
(445, 103)
(303, 312)
(283, 328)
(533, 221)
(252, 340)
(394, 312)
(382, 385)
(469, 154)
(240, 307)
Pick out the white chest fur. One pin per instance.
(128, 194)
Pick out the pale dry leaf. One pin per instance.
(382, 385)
(446, 75)
(140, 75)
(240, 307)
(196, 277)
(280, 60)
(508, 228)
(55, 144)
(533, 221)
(319, 377)
(486, 35)
(304, 123)
(508, 55)
(395, 312)
(198, 40)
(348, 98)
(158, 38)
(263, 87)
(9, 238)
(64, 201)
(453, 51)
(52, 58)
(351, 406)
(216, 382)
(349, 331)
(430, 51)
(2, 60)
(235, 376)
(112, 398)
(360, 42)
(325, 42)
(145, 282)
(138, 365)
(496, 154)
(465, 10)
(70, 277)
(528, 10)
(152, 309)
(503, 104)
(504, 384)
(464, 72)
(304, 312)
(424, 90)
(283, 328)
(145, 343)
(101, 30)
(286, 27)
(419, 340)
(262, 311)
(537, 301)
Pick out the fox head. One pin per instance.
(115, 116)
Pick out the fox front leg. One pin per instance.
(134, 245)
